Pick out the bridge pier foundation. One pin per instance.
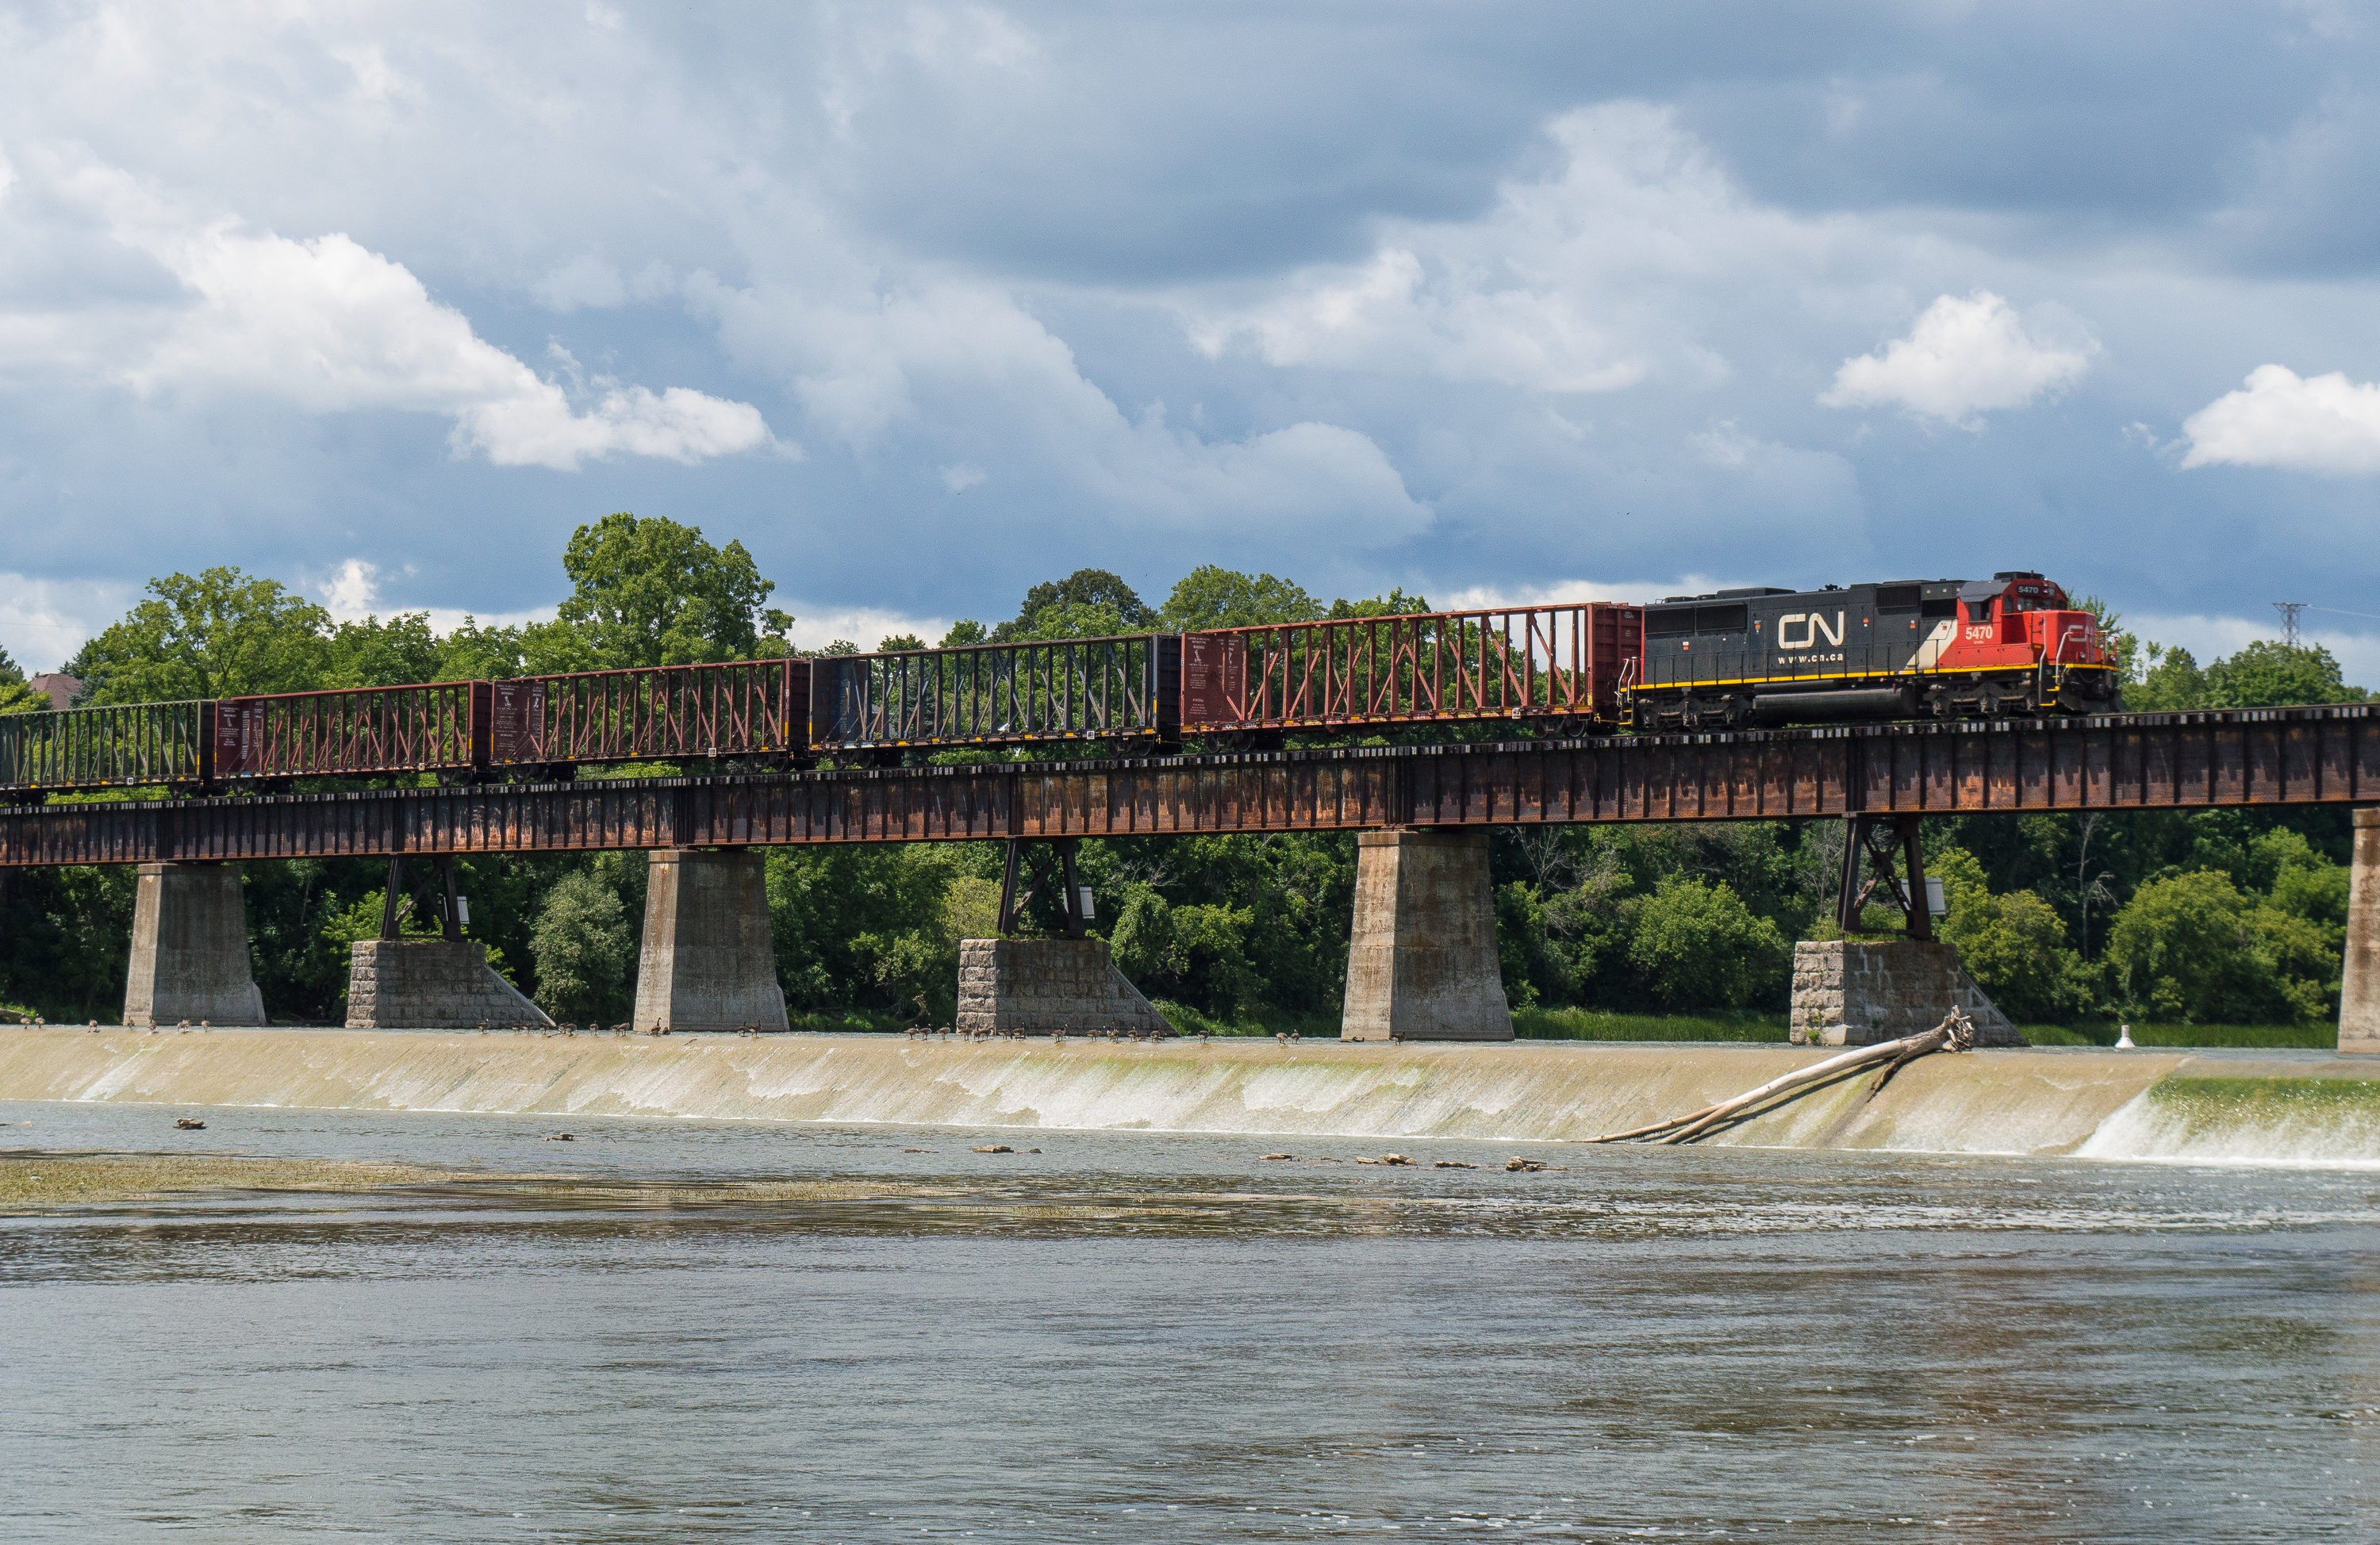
(190, 949)
(2359, 996)
(708, 960)
(1421, 961)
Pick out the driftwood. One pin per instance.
(1954, 1033)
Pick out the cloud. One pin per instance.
(1569, 282)
(585, 280)
(2298, 423)
(44, 622)
(351, 593)
(816, 627)
(912, 359)
(1963, 358)
(329, 326)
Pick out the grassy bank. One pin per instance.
(1588, 1025)
(1187, 1020)
(2318, 1035)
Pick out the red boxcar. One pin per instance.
(1558, 664)
(439, 728)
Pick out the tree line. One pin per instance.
(2212, 916)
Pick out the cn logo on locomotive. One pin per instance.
(1813, 625)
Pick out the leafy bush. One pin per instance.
(2014, 945)
(584, 950)
(2192, 948)
(1696, 944)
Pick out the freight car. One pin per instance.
(744, 714)
(1557, 669)
(2011, 644)
(1122, 689)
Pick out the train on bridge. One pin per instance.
(2011, 646)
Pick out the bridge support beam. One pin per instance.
(1421, 963)
(2359, 997)
(707, 961)
(190, 949)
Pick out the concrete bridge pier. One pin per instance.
(1420, 962)
(2359, 996)
(190, 949)
(707, 961)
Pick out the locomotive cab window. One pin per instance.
(1980, 611)
(1720, 618)
(1895, 598)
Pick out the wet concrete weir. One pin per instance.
(2291, 1107)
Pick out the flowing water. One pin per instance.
(676, 1329)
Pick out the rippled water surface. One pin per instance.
(691, 1331)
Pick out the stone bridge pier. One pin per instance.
(2358, 995)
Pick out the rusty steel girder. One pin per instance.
(2324, 755)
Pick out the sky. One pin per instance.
(927, 303)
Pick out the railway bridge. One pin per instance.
(1424, 932)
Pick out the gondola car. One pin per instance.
(2011, 646)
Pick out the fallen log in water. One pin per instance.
(1954, 1033)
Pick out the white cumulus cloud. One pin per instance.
(330, 326)
(1963, 358)
(2282, 419)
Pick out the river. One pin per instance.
(705, 1330)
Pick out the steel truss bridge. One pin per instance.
(2260, 757)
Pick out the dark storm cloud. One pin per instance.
(927, 302)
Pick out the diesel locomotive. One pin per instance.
(2011, 646)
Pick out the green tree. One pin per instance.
(16, 697)
(2170, 683)
(1073, 620)
(1396, 603)
(864, 928)
(476, 653)
(377, 653)
(2191, 947)
(1209, 597)
(652, 592)
(220, 634)
(1697, 945)
(584, 948)
(2014, 945)
(1084, 588)
(2266, 674)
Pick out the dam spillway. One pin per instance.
(2268, 1106)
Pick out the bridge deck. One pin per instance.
(2315, 755)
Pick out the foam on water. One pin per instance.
(2308, 1109)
